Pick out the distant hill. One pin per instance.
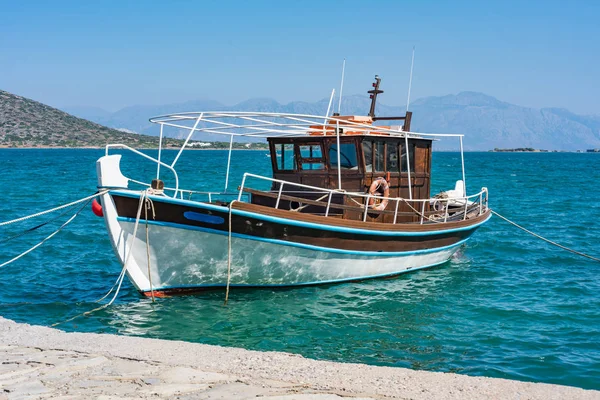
(28, 123)
(486, 121)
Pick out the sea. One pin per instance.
(508, 305)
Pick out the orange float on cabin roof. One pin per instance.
(329, 129)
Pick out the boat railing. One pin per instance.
(474, 205)
(146, 156)
(186, 194)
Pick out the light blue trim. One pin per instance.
(278, 285)
(295, 244)
(303, 224)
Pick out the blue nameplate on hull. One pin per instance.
(209, 219)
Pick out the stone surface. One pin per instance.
(39, 362)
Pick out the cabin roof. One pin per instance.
(269, 125)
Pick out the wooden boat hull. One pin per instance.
(188, 245)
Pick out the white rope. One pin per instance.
(300, 208)
(121, 276)
(544, 239)
(44, 240)
(229, 255)
(55, 208)
(148, 202)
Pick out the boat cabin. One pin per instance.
(363, 157)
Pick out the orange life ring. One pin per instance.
(379, 187)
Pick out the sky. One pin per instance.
(113, 54)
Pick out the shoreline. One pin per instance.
(46, 362)
(102, 148)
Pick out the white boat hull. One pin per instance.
(181, 258)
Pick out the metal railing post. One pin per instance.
(328, 204)
(366, 207)
(228, 163)
(422, 212)
(408, 166)
(159, 151)
(279, 195)
(396, 210)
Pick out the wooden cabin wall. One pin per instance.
(387, 159)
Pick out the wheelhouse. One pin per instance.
(351, 167)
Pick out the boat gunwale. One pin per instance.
(321, 222)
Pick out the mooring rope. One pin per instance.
(45, 239)
(228, 255)
(36, 227)
(544, 239)
(121, 276)
(148, 202)
(99, 193)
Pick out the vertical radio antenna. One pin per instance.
(330, 101)
(412, 62)
(341, 87)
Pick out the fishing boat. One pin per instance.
(349, 199)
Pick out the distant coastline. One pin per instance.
(532, 150)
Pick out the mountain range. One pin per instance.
(486, 122)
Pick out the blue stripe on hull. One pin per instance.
(295, 244)
(303, 224)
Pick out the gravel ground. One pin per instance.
(41, 362)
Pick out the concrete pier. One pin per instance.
(40, 362)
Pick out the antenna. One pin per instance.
(412, 62)
(341, 87)
(330, 101)
(327, 113)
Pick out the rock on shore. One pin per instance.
(41, 362)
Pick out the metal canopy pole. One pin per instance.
(408, 166)
(462, 160)
(187, 139)
(159, 151)
(228, 163)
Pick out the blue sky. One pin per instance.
(112, 54)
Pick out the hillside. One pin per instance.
(486, 121)
(28, 123)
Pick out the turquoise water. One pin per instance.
(507, 305)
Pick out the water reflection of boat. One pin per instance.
(348, 200)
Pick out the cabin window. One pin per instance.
(348, 158)
(368, 152)
(286, 159)
(411, 156)
(392, 164)
(311, 151)
(311, 157)
(380, 156)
